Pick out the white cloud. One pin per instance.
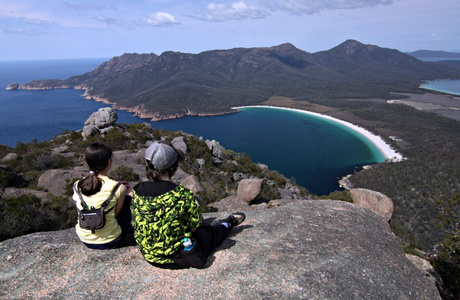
(308, 7)
(21, 31)
(36, 21)
(226, 12)
(113, 21)
(85, 6)
(158, 19)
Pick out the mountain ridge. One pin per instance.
(176, 84)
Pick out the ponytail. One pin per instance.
(97, 156)
(90, 185)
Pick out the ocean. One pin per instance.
(450, 86)
(314, 151)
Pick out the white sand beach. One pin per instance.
(389, 153)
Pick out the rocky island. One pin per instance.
(12, 86)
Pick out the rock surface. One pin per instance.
(373, 200)
(249, 189)
(10, 156)
(55, 181)
(303, 250)
(103, 118)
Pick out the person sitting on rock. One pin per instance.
(93, 191)
(165, 214)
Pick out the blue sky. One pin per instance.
(55, 29)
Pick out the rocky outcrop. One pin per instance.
(10, 192)
(102, 119)
(179, 143)
(216, 149)
(192, 183)
(249, 189)
(9, 157)
(303, 250)
(231, 203)
(55, 181)
(12, 86)
(373, 200)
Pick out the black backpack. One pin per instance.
(93, 218)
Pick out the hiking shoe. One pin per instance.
(234, 219)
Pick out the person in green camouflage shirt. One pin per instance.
(164, 214)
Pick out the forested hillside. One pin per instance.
(212, 82)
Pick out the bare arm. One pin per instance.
(125, 189)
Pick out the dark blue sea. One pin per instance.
(314, 151)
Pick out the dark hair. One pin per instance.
(156, 175)
(97, 157)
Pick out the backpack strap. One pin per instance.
(106, 202)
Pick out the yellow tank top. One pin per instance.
(111, 230)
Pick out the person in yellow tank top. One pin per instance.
(95, 189)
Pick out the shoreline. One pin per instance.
(140, 112)
(389, 153)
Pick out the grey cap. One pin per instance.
(162, 155)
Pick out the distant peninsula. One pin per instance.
(176, 84)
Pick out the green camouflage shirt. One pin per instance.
(161, 223)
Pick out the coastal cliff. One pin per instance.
(302, 250)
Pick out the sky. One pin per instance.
(61, 29)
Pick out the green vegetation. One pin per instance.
(176, 83)
(337, 195)
(28, 213)
(425, 187)
(123, 173)
(447, 264)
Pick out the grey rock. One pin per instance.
(249, 189)
(216, 149)
(13, 192)
(200, 162)
(237, 176)
(286, 193)
(217, 161)
(55, 181)
(179, 143)
(9, 157)
(303, 250)
(180, 175)
(130, 159)
(280, 202)
(103, 118)
(426, 268)
(373, 200)
(192, 183)
(230, 203)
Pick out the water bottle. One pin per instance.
(188, 244)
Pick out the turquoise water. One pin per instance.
(314, 151)
(450, 86)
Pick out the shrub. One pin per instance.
(447, 264)
(123, 173)
(338, 195)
